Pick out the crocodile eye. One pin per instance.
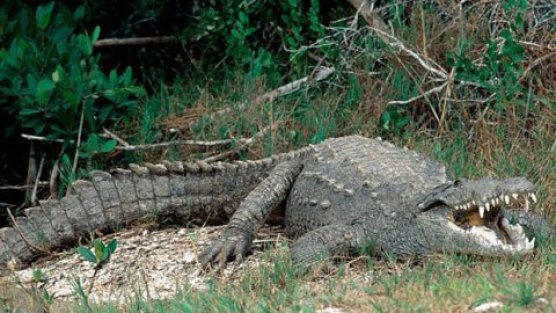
(457, 183)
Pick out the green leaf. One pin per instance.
(43, 15)
(79, 13)
(55, 76)
(31, 83)
(29, 111)
(138, 91)
(113, 78)
(44, 88)
(112, 246)
(95, 35)
(87, 254)
(236, 34)
(108, 146)
(85, 44)
(126, 76)
(92, 143)
(100, 250)
(71, 97)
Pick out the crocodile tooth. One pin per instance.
(507, 199)
(469, 206)
(526, 204)
(482, 211)
(514, 195)
(533, 197)
(456, 207)
(487, 206)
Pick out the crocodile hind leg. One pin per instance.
(328, 241)
(251, 214)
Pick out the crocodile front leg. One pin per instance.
(251, 214)
(328, 241)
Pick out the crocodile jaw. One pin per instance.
(483, 222)
(468, 216)
(483, 240)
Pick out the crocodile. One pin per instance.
(337, 196)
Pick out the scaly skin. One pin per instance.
(353, 192)
(198, 193)
(341, 194)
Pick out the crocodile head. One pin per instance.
(468, 217)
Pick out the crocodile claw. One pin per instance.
(223, 250)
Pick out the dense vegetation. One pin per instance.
(471, 84)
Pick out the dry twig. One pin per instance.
(36, 186)
(41, 138)
(76, 155)
(423, 95)
(200, 143)
(115, 137)
(23, 187)
(240, 147)
(134, 41)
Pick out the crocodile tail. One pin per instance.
(197, 193)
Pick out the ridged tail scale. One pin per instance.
(195, 192)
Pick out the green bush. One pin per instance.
(252, 29)
(50, 80)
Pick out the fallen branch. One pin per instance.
(134, 41)
(54, 178)
(115, 137)
(201, 143)
(243, 146)
(36, 186)
(76, 155)
(31, 169)
(428, 64)
(319, 74)
(377, 25)
(23, 187)
(366, 10)
(425, 94)
(41, 138)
